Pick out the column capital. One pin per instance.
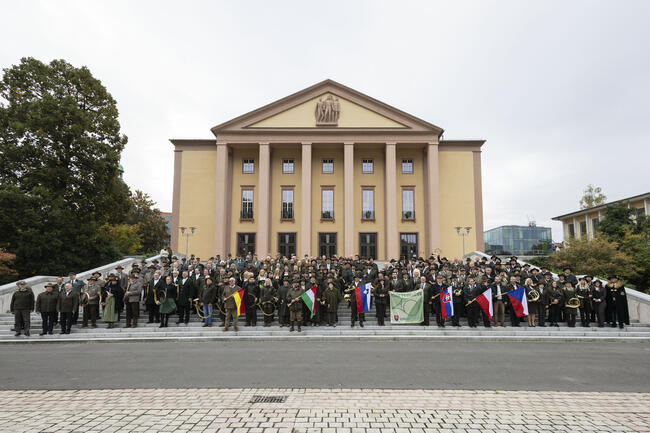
(391, 143)
(348, 143)
(305, 143)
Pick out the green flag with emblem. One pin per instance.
(406, 307)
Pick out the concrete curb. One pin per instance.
(226, 338)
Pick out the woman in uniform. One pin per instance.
(165, 296)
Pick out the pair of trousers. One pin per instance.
(22, 320)
(585, 313)
(570, 319)
(66, 322)
(455, 319)
(183, 314)
(91, 311)
(554, 313)
(541, 314)
(48, 321)
(75, 315)
(499, 312)
(231, 316)
(132, 312)
(331, 318)
(514, 319)
(472, 314)
(600, 308)
(154, 315)
(381, 312)
(207, 313)
(251, 314)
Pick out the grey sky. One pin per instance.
(560, 89)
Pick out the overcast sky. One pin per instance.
(559, 89)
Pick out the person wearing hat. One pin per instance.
(583, 291)
(46, 307)
(380, 296)
(542, 303)
(91, 307)
(617, 309)
(186, 295)
(229, 303)
(294, 304)
(77, 286)
(570, 311)
(150, 288)
(22, 304)
(568, 276)
(599, 303)
(555, 296)
(112, 301)
(122, 277)
(132, 299)
(354, 315)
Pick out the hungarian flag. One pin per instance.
(446, 303)
(238, 296)
(485, 301)
(519, 301)
(309, 298)
(363, 298)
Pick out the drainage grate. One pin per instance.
(268, 399)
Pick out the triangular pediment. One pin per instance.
(327, 106)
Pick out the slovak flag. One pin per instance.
(363, 298)
(485, 301)
(519, 301)
(446, 303)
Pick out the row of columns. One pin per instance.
(263, 245)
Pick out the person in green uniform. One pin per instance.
(46, 306)
(332, 298)
(295, 306)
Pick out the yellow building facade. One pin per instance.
(327, 171)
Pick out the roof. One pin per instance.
(516, 226)
(602, 206)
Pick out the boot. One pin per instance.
(290, 330)
(361, 323)
(352, 325)
(162, 323)
(299, 329)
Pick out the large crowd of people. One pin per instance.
(272, 289)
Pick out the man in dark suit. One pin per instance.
(436, 289)
(67, 304)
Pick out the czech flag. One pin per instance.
(485, 301)
(446, 303)
(363, 298)
(238, 296)
(519, 301)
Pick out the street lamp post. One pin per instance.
(190, 232)
(462, 232)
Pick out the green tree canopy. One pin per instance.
(63, 205)
(592, 196)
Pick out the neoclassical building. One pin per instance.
(327, 170)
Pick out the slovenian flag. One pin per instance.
(485, 301)
(239, 301)
(309, 298)
(446, 303)
(363, 298)
(519, 301)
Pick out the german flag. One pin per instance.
(239, 301)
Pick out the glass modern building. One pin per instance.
(519, 240)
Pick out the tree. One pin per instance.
(60, 145)
(151, 227)
(598, 257)
(592, 196)
(7, 271)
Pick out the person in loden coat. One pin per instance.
(599, 302)
(67, 304)
(22, 304)
(46, 306)
(185, 299)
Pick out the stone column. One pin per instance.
(221, 215)
(305, 201)
(390, 199)
(264, 203)
(176, 198)
(478, 201)
(348, 201)
(433, 202)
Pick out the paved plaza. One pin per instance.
(321, 410)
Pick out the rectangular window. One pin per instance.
(327, 244)
(368, 245)
(287, 204)
(246, 204)
(408, 204)
(245, 244)
(287, 244)
(248, 166)
(368, 166)
(572, 231)
(408, 243)
(327, 204)
(407, 166)
(287, 166)
(583, 228)
(368, 204)
(328, 166)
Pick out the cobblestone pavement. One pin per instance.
(322, 410)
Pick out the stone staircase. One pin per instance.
(636, 332)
